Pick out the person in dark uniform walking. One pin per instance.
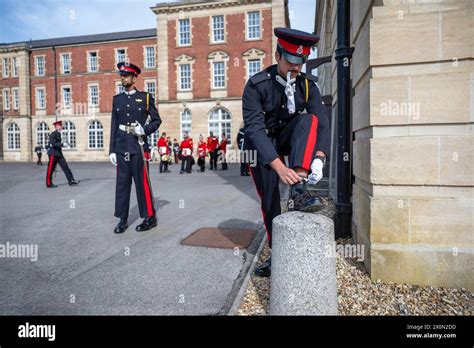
(176, 150)
(284, 116)
(244, 167)
(134, 117)
(39, 153)
(56, 156)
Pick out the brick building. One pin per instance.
(196, 63)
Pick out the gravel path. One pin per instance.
(358, 295)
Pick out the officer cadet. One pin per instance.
(276, 125)
(164, 151)
(212, 147)
(56, 156)
(39, 153)
(134, 117)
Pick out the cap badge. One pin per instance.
(300, 49)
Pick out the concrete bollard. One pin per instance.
(303, 280)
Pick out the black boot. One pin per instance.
(147, 224)
(121, 227)
(264, 270)
(52, 186)
(74, 182)
(302, 200)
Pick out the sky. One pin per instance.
(22, 20)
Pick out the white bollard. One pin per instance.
(303, 280)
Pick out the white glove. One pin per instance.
(113, 158)
(316, 171)
(139, 130)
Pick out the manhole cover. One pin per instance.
(228, 238)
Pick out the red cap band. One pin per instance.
(294, 49)
(129, 69)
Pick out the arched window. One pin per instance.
(96, 135)
(186, 121)
(68, 134)
(13, 135)
(220, 122)
(42, 134)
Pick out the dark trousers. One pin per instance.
(53, 161)
(297, 141)
(133, 166)
(244, 168)
(221, 154)
(38, 162)
(163, 166)
(186, 164)
(202, 163)
(176, 157)
(213, 159)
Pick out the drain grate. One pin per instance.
(227, 238)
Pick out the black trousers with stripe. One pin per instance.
(53, 162)
(297, 141)
(128, 167)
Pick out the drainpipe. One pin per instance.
(344, 133)
(55, 84)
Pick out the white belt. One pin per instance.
(125, 128)
(186, 152)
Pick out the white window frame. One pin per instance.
(37, 65)
(63, 67)
(95, 135)
(146, 60)
(180, 34)
(180, 77)
(147, 82)
(185, 125)
(63, 99)
(214, 29)
(16, 98)
(248, 25)
(13, 137)
(6, 67)
(68, 134)
(42, 134)
(43, 89)
(89, 61)
(214, 75)
(117, 53)
(249, 75)
(15, 65)
(89, 95)
(219, 123)
(6, 99)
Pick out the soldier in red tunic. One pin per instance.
(164, 151)
(186, 154)
(202, 151)
(212, 144)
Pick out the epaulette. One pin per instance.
(309, 77)
(256, 79)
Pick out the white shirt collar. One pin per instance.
(133, 91)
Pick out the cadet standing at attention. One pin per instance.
(134, 117)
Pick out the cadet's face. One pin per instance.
(128, 80)
(284, 66)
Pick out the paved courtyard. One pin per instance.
(84, 268)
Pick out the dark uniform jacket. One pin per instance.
(265, 113)
(126, 109)
(55, 144)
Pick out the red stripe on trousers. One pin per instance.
(311, 143)
(50, 166)
(147, 192)
(261, 200)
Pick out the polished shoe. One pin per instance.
(147, 224)
(264, 270)
(181, 172)
(74, 182)
(52, 186)
(121, 227)
(302, 200)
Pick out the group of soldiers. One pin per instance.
(283, 116)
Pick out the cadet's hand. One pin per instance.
(316, 171)
(113, 158)
(139, 130)
(287, 175)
